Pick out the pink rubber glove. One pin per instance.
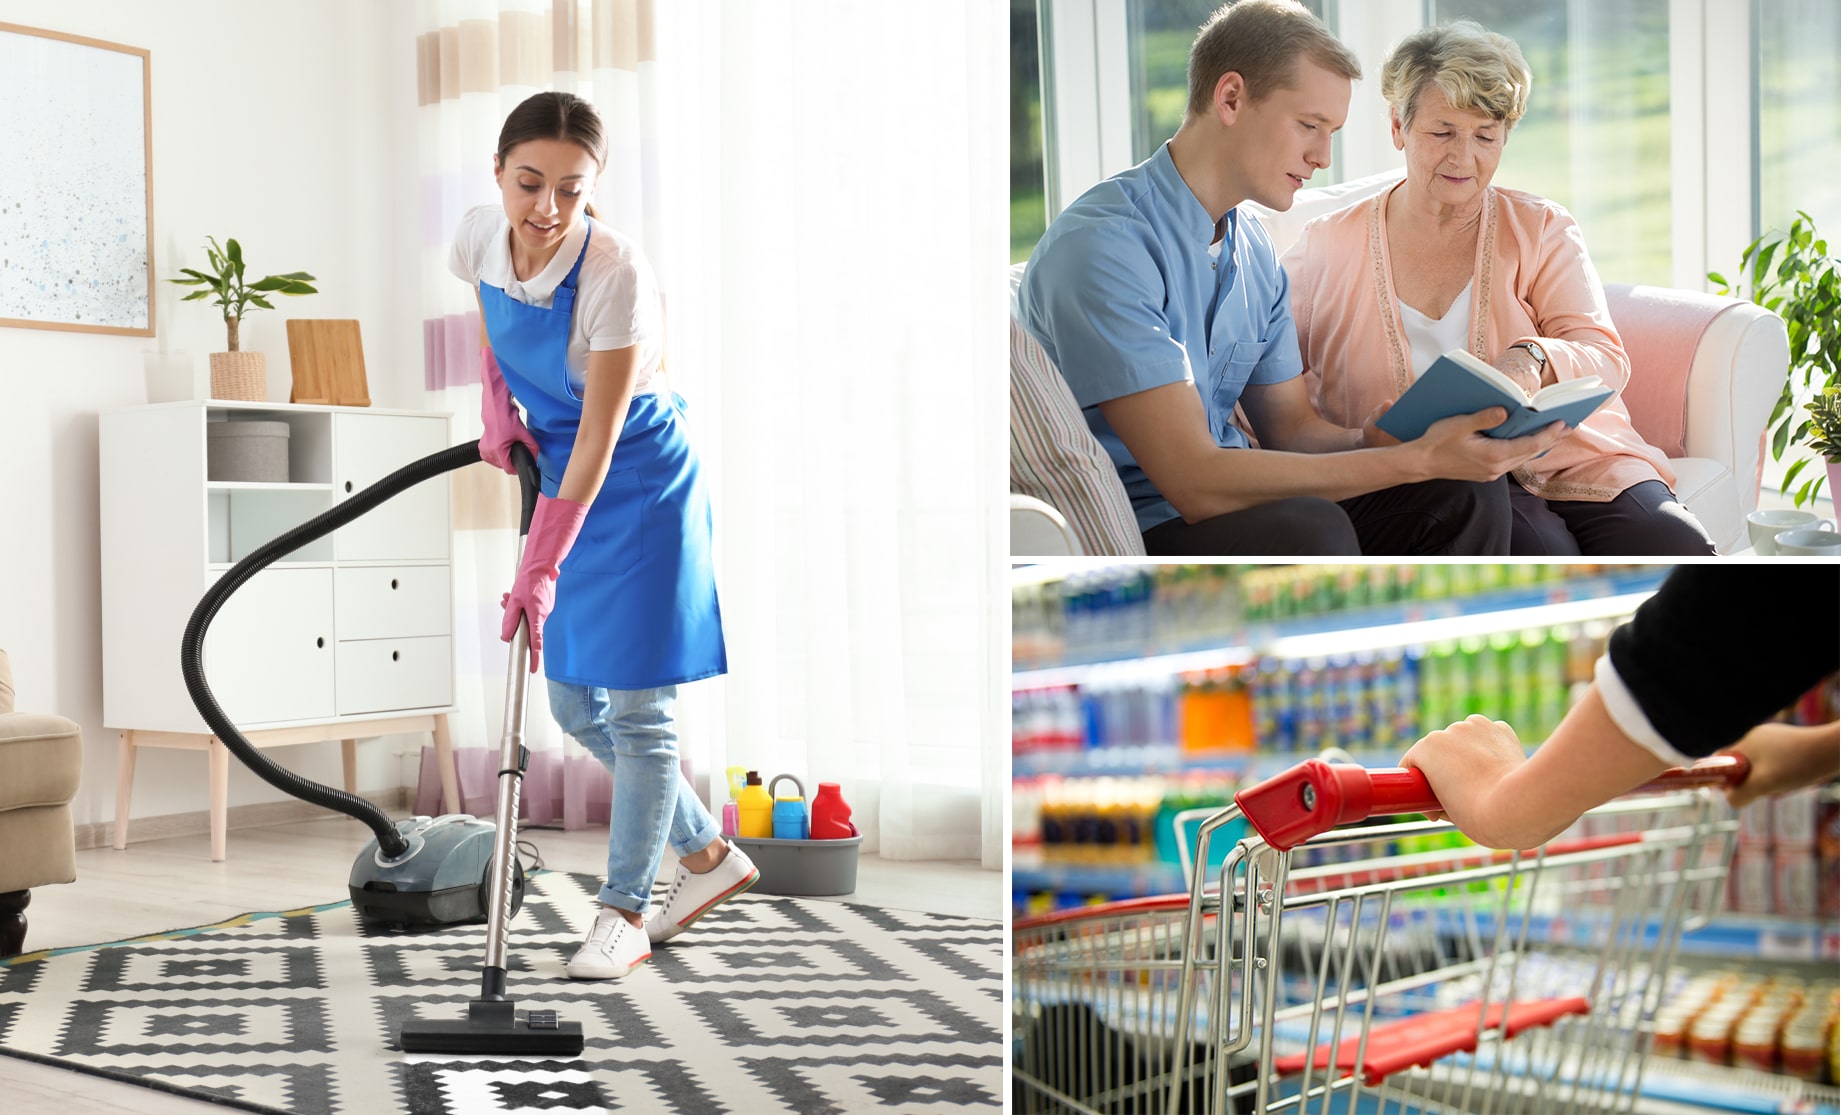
(554, 526)
(503, 426)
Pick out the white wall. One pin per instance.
(290, 127)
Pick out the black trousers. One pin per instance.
(1644, 520)
(1438, 517)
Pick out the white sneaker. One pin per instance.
(693, 895)
(615, 947)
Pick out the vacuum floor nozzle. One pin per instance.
(537, 1032)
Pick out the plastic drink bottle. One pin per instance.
(830, 813)
(756, 809)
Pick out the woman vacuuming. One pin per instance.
(616, 579)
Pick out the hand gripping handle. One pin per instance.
(1315, 797)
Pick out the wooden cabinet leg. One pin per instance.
(444, 762)
(349, 752)
(220, 797)
(124, 787)
(13, 922)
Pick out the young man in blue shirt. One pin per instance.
(1165, 309)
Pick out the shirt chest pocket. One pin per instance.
(1242, 357)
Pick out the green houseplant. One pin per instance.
(1825, 427)
(1793, 276)
(236, 374)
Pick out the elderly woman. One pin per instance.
(1444, 260)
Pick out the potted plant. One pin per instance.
(237, 374)
(1804, 288)
(1825, 426)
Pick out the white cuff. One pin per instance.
(1629, 716)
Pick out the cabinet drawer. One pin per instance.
(393, 602)
(269, 652)
(381, 675)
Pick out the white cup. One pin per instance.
(1765, 526)
(1819, 540)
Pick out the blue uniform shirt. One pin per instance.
(1124, 295)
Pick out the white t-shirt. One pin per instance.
(1427, 338)
(616, 296)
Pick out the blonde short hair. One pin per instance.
(1261, 40)
(1477, 70)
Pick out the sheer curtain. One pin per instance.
(829, 230)
(475, 61)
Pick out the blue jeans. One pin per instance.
(632, 733)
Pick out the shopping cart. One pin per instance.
(1436, 978)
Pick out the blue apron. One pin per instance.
(636, 599)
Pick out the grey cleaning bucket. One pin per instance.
(247, 451)
(804, 867)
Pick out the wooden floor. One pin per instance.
(172, 884)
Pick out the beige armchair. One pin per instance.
(41, 762)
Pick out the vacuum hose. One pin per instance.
(191, 648)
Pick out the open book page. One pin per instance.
(1565, 391)
(1552, 395)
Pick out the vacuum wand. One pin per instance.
(492, 1024)
(513, 759)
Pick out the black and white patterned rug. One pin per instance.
(766, 1005)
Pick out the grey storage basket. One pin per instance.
(804, 867)
(247, 451)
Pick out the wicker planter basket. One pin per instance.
(239, 375)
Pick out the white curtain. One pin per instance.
(829, 229)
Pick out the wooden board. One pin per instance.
(328, 361)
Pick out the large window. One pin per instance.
(1596, 136)
(1028, 196)
(1799, 115)
(1161, 33)
(1663, 192)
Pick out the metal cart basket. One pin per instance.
(1387, 967)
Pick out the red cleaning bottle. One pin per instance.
(830, 814)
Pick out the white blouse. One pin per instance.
(1428, 338)
(616, 296)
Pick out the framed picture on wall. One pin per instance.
(76, 184)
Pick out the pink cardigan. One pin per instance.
(1532, 281)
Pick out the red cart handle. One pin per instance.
(1315, 797)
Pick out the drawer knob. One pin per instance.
(394, 655)
(319, 642)
(348, 485)
(393, 582)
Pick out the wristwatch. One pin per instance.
(1534, 350)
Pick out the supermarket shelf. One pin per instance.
(1749, 936)
(1129, 762)
(1031, 875)
(1376, 628)
(1768, 938)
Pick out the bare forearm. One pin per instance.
(588, 465)
(1236, 479)
(1312, 435)
(1586, 762)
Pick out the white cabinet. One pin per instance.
(355, 624)
(346, 637)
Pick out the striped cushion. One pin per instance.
(1055, 458)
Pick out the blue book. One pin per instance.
(1459, 383)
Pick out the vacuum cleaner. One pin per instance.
(424, 871)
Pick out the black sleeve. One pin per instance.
(1720, 648)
